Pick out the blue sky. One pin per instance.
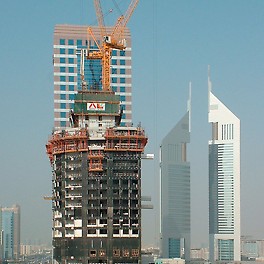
(173, 43)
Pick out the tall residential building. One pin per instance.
(69, 40)
(11, 232)
(175, 191)
(224, 182)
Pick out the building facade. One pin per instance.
(69, 40)
(10, 232)
(97, 184)
(175, 192)
(224, 182)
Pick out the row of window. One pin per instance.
(64, 115)
(67, 97)
(122, 80)
(80, 42)
(70, 69)
(115, 71)
(63, 87)
(70, 42)
(70, 60)
(121, 62)
(70, 51)
(63, 124)
(63, 106)
(70, 79)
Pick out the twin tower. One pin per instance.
(224, 186)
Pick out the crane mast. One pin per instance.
(110, 41)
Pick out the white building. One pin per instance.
(224, 182)
(175, 191)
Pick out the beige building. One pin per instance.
(69, 41)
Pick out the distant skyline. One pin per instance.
(172, 44)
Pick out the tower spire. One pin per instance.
(189, 104)
(209, 86)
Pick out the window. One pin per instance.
(113, 70)
(124, 116)
(63, 114)
(62, 78)
(63, 106)
(122, 98)
(70, 51)
(135, 252)
(114, 89)
(71, 96)
(62, 51)
(116, 252)
(62, 41)
(63, 123)
(71, 69)
(63, 96)
(125, 252)
(62, 69)
(114, 80)
(71, 78)
(122, 80)
(70, 42)
(63, 87)
(122, 53)
(122, 89)
(174, 248)
(71, 60)
(122, 71)
(71, 87)
(114, 52)
(114, 62)
(79, 42)
(122, 62)
(62, 60)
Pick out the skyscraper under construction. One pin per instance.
(96, 165)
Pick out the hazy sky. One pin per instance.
(173, 42)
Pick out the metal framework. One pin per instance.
(112, 40)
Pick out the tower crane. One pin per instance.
(109, 40)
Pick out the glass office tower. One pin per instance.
(10, 235)
(175, 191)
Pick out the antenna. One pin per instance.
(209, 79)
(189, 104)
(209, 87)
